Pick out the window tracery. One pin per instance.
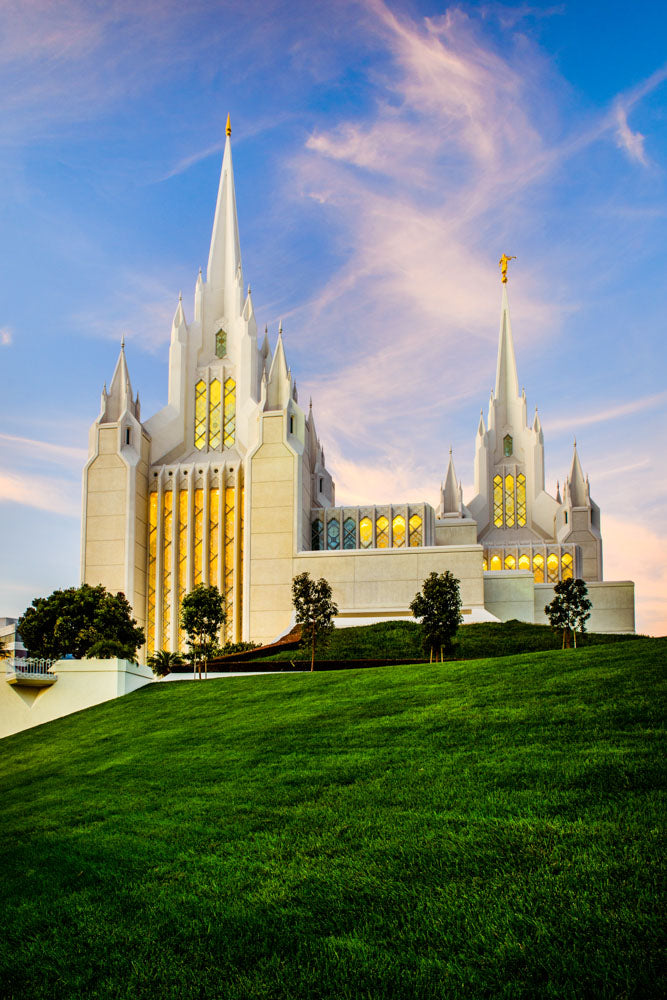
(333, 534)
(415, 525)
(398, 531)
(366, 532)
(200, 414)
(349, 533)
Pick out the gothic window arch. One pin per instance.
(495, 563)
(509, 500)
(349, 533)
(229, 431)
(552, 568)
(398, 531)
(538, 568)
(382, 532)
(333, 534)
(498, 501)
(317, 535)
(510, 562)
(214, 422)
(521, 500)
(566, 566)
(416, 535)
(366, 532)
(200, 414)
(524, 561)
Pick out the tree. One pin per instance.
(314, 609)
(72, 621)
(162, 662)
(570, 608)
(439, 608)
(202, 616)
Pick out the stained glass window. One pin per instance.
(213, 525)
(317, 535)
(538, 568)
(229, 562)
(566, 566)
(510, 562)
(524, 561)
(507, 445)
(167, 553)
(552, 568)
(152, 553)
(415, 526)
(214, 413)
(382, 532)
(199, 536)
(200, 414)
(509, 501)
(349, 533)
(220, 343)
(230, 413)
(366, 532)
(498, 501)
(484, 565)
(398, 528)
(496, 563)
(521, 500)
(333, 535)
(239, 587)
(182, 560)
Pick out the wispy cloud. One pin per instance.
(64, 454)
(141, 310)
(57, 495)
(6, 336)
(631, 142)
(607, 414)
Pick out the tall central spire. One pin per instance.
(224, 275)
(507, 383)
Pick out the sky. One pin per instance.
(386, 152)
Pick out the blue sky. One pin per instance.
(385, 155)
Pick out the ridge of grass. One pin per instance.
(486, 829)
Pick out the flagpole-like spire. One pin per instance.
(507, 382)
(223, 274)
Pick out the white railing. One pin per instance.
(29, 667)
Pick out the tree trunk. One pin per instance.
(574, 636)
(312, 658)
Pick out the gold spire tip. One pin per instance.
(228, 128)
(502, 264)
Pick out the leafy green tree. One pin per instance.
(314, 609)
(438, 605)
(73, 621)
(570, 609)
(202, 617)
(163, 662)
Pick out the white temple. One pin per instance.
(227, 485)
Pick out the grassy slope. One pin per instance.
(486, 829)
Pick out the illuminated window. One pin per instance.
(415, 524)
(167, 553)
(214, 414)
(366, 532)
(382, 532)
(538, 568)
(152, 553)
(239, 587)
(349, 533)
(496, 563)
(524, 561)
(220, 344)
(230, 413)
(521, 500)
(566, 566)
(228, 585)
(317, 535)
(498, 501)
(200, 414)
(552, 568)
(333, 535)
(213, 525)
(510, 562)
(199, 535)
(509, 501)
(484, 565)
(398, 527)
(182, 560)
(507, 445)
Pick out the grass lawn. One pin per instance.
(461, 830)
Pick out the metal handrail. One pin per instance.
(30, 666)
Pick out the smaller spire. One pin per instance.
(280, 329)
(558, 497)
(228, 127)
(122, 342)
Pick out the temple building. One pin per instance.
(227, 485)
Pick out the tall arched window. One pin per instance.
(415, 524)
(566, 566)
(167, 566)
(230, 534)
(498, 501)
(213, 533)
(484, 565)
(152, 554)
(333, 535)
(349, 533)
(398, 529)
(199, 535)
(317, 535)
(524, 561)
(229, 431)
(220, 343)
(214, 421)
(496, 563)
(366, 532)
(510, 562)
(538, 568)
(382, 532)
(509, 501)
(200, 414)
(552, 568)
(182, 559)
(521, 500)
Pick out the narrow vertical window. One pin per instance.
(484, 565)
(230, 413)
(200, 414)
(333, 535)
(538, 568)
(317, 535)
(182, 560)
(349, 533)
(214, 415)
(239, 582)
(152, 554)
(128, 436)
(382, 532)
(495, 563)
(507, 445)
(229, 562)
(552, 568)
(366, 532)
(198, 536)
(167, 566)
(521, 500)
(524, 561)
(220, 343)
(398, 530)
(566, 566)
(510, 562)
(415, 524)
(509, 501)
(213, 525)
(498, 501)
(291, 425)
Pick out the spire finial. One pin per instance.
(310, 405)
(575, 442)
(122, 342)
(450, 451)
(502, 264)
(280, 329)
(228, 128)
(180, 296)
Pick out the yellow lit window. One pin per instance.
(496, 563)
(239, 588)
(214, 421)
(213, 524)
(509, 501)
(199, 537)
(382, 532)
(229, 562)
(524, 561)
(552, 568)
(167, 553)
(398, 527)
(510, 562)
(566, 566)
(366, 532)
(538, 568)
(498, 501)
(415, 524)
(484, 565)
(230, 413)
(152, 553)
(521, 500)
(182, 560)
(200, 414)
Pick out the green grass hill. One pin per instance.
(479, 829)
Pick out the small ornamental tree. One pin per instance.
(202, 617)
(76, 621)
(314, 609)
(439, 608)
(162, 662)
(570, 609)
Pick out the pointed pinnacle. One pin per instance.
(248, 289)
(180, 296)
(280, 329)
(228, 127)
(122, 342)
